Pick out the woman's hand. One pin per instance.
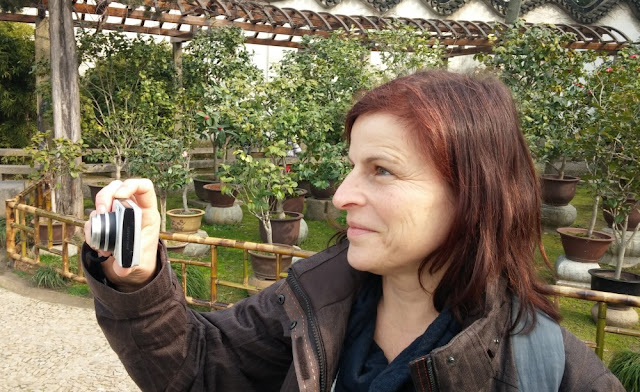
(141, 191)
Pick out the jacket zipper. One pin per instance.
(431, 375)
(313, 327)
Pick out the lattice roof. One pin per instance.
(267, 24)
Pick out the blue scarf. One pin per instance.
(363, 366)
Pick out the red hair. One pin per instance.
(469, 129)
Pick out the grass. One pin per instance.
(625, 365)
(576, 313)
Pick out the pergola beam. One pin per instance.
(178, 18)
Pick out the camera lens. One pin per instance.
(103, 231)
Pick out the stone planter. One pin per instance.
(182, 222)
(573, 273)
(557, 216)
(558, 192)
(223, 215)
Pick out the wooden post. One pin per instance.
(601, 323)
(65, 97)
(43, 51)
(214, 274)
(10, 230)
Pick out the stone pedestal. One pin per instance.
(71, 248)
(197, 250)
(558, 216)
(303, 233)
(8, 190)
(320, 209)
(618, 316)
(223, 216)
(631, 253)
(573, 273)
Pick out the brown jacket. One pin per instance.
(288, 337)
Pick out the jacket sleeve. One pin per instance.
(164, 345)
(583, 370)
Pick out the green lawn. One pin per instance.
(576, 313)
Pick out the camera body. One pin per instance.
(118, 231)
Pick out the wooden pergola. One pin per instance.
(266, 24)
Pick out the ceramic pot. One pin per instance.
(578, 247)
(264, 264)
(293, 203)
(603, 280)
(325, 193)
(198, 184)
(283, 231)
(185, 223)
(558, 192)
(216, 198)
(56, 232)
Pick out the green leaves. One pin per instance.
(545, 77)
(258, 182)
(160, 159)
(53, 157)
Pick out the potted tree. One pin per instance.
(544, 75)
(161, 159)
(257, 182)
(113, 92)
(53, 157)
(221, 78)
(615, 158)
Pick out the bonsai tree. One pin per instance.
(186, 130)
(258, 181)
(611, 144)
(162, 160)
(545, 77)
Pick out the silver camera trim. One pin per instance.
(103, 220)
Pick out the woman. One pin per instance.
(434, 290)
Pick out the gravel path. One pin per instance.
(51, 342)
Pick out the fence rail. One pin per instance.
(24, 212)
(90, 168)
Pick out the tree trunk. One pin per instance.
(163, 212)
(512, 12)
(65, 98)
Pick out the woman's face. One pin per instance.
(399, 210)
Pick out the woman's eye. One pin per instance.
(382, 171)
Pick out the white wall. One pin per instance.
(620, 17)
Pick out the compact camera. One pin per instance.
(119, 232)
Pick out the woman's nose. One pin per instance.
(349, 193)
